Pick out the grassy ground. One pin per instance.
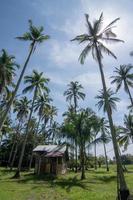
(99, 185)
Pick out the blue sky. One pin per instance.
(58, 57)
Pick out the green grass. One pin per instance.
(99, 185)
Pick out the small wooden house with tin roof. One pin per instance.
(50, 159)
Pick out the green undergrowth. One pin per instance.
(98, 185)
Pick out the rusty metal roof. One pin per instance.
(51, 150)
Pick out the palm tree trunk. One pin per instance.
(124, 192)
(15, 142)
(82, 161)
(75, 104)
(76, 155)
(76, 145)
(106, 159)
(31, 158)
(130, 96)
(95, 151)
(1, 139)
(11, 152)
(16, 88)
(14, 156)
(17, 175)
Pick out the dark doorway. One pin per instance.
(53, 166)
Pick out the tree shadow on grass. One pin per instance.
(69, 183)
(106, 179)
(100, 172)
(5, 171)
(36, 178)
(53, 181)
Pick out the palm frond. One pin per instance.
(110, 24)
(84, 53)
(106, 50)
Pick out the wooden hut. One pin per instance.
(50, 159)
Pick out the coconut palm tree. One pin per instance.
(111, 99)
(126, 132)
(83, 125)
(124, 75)
(37, 83)
(69, 114)
(74, 92)
(52, 113)
(94, 38)
(41, 102)
(7, 71)
(53, 131)
(22, 109)
(104, 137)
(34, 36)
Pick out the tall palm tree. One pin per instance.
(94, 38)
(124, 76)
(102, 123)
(34, 36)
(37, 83)
(74, 92)
(22, 109)
(126, 132)
(7, 71)
(83, 125)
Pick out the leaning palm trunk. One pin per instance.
(14, 143)
(14, 156)
(16, 88)
(31, 158)
(11, 152)
(124, 192)
(17, 175)
(106, 158)
(129, 93)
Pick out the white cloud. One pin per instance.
(122, 106)
(56, 79)
(93, 80)
(76, 24)
(63, 53)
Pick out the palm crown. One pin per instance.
(126, 132)
(36, 80)
(22, 108)
(96, 36)
(41, 103)
(7, 70)
(123, 75)
(74, 92)
(111, 99)
(35, 34)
